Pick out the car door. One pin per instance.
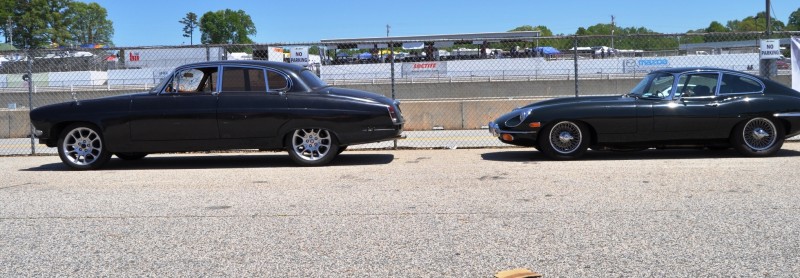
(692, 111)
(184, 110)
(252, 102)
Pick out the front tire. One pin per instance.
(312, 146)
(81, 147)
(564, 140)
(758, 137)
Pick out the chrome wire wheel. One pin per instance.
(759, 134)
(82, 146)
(311, 144)
(565, 137)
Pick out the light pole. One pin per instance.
(612, 31)
(9, 31)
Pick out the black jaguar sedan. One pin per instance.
(218, 106)
(670, 108)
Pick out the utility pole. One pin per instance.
(767, 67)
(613, 26)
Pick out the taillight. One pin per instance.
(392, 113)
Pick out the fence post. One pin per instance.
(30, 100)
(391, 52)
(575, 58)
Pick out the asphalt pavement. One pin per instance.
(405, 213)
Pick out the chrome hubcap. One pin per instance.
(759, 134)
(311, 144)
(82, 146)
(565, 137)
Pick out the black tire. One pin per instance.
(81, 147)
(312, 146)
(564, 140)
(130, 156)
(758, 137)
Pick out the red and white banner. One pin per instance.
(795, 42)
(425, 69)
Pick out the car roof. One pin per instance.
(697, 69)
(272, 64)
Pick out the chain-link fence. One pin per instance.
(449, 88)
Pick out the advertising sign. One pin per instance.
(299, 55)
(425, 69)
(795, 42)
(770, 49)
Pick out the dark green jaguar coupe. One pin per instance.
(670, 108)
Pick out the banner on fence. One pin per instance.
(425, 69)
(795, 42)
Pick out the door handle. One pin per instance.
(712, 104)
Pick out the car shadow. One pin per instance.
(157, 162)
(533, 155)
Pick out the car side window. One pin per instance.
(697, 85)
(192, 80)
(737, 84)
(277, 81)
(239, 79)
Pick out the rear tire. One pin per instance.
(81, 147)
(564, 140)
(312, 146)
(758, 137)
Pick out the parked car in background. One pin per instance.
(670, 108)
(217, 106)
(784, 63)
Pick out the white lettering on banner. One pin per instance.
(795, 42)
(299, 55)
(770, 49)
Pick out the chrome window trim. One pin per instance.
(281, 73)
(763, 87)
(673, 94)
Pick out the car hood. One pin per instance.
(574, 100)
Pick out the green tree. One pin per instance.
(757, 23)
(88, 23)
(6, 13)
(794, 21)
(226, 26)
(544, 31)
(189, 24)
(716, 27)
(40, 23)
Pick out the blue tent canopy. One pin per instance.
(549, 50)
(365, 56)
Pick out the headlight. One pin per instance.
(524, 115)
(515, 121)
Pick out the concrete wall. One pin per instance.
(14, 123)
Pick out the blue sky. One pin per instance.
(150, 22)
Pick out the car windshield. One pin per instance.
(312, 80)
(654, 85)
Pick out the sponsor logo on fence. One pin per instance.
(425, 69)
